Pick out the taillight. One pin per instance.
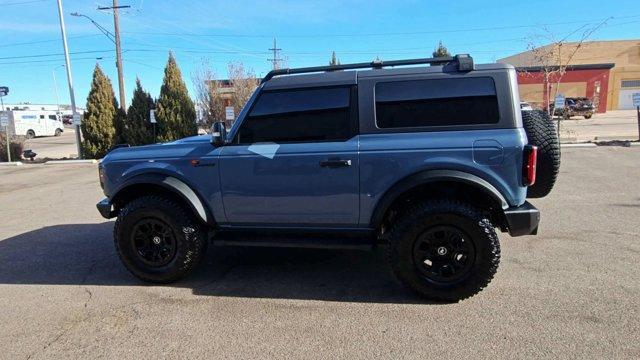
(529, 165)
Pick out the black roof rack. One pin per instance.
(464, 62)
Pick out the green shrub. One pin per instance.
(16, 146)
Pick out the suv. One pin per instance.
(580, 106)
(425, 160)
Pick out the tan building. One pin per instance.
(623, 78)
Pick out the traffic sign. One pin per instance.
(152, 116)
(636, 99)
(229, 113)
(4, 90)
(77, 119)
(4, 120)
(559, 102)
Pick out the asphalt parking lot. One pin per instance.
(573, 291)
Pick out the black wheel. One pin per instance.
(58, 132)
(444, 250)
(588, 116)
(30, 134)
(158, 240)
(541, 132)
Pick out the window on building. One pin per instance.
(631, 83)
(303, 115)
(442, 102)
(41, 116)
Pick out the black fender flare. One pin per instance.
(174, 185)
(429, 176)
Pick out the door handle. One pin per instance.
(335, 163)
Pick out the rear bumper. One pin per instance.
(523, 219)
(106, 208)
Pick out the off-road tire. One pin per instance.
(190, 238)
(435, 213)
(541, 132)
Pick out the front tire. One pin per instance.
(158, 240)
(444, 250)
(30, 134)
(58, 132)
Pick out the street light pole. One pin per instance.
(69, 78)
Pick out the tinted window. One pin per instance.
(443, 102)
(52, 117)
(41, 116)
(298, 116)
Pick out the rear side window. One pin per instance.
(441, 102)
(303, 115)
(53, 117)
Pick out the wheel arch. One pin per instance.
(164, 185)
(434, 183)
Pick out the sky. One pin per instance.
(219, 32)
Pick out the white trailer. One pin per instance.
(32, 123)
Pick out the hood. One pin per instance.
(173, 149)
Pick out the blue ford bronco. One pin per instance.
(424, 157)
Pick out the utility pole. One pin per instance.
(67, 62)
(275, 60)
(116, 26)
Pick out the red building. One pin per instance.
(589, 81)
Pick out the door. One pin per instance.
(294, 161)
(625, 101)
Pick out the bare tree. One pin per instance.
(213, 95)
(208, 97)
(554, 58)
(244, 83)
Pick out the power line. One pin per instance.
(56, 54)
(46, 41)
(22, 2)
(379, 34)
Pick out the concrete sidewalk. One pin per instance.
(612, 125)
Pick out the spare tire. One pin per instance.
(541, 132)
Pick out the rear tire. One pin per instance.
(541, 132)
(444, 250)
(58, 132)
(158, 240)
(588, 116)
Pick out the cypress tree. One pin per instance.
(334, 59)
(98, 130)
(176, 114)
(441, 51)
(139, 129)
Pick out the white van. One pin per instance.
(32, 123)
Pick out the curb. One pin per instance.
(16, 163)
(71, 162)
(578, 145)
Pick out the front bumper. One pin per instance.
(522, 220)
(106, 208)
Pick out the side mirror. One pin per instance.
(218, 134)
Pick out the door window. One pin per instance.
(301, 115)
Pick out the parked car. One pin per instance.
(577, 106)
(425, 160)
